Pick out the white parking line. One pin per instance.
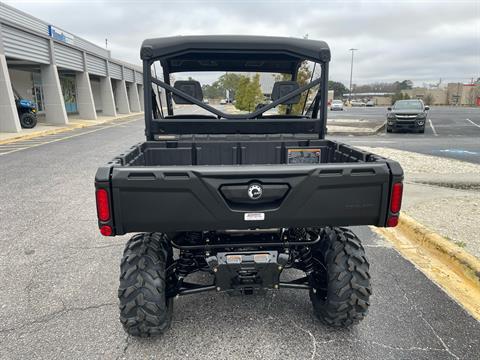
(433, 129)
(471, 122)
(29, 146)
(371, 141)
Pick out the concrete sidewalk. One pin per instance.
(43, 129)
(354, 127)
(442, 194)
(338, 126)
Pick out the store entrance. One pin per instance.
(69, 91)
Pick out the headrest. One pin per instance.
(190, 87)
(282, 88)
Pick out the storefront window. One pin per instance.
(37, 91)
(69, 91)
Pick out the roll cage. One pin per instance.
(234, 53)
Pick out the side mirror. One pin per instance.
(427, 108)
(389, 108)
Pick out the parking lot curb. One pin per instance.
(33, 135)
(435, 242)
(380, 128)
(75, 124)
(374, 131)
(453, 268)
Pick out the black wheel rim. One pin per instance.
(28, 120)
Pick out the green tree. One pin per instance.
(241, 95)
(403, 85)
(255, 95)
(230, 82)
(399, 96)
(303, 77)
(213, 91)
(217, 90)
(338, 89)
(248, 93)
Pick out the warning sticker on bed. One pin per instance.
(303, 156)
(254, 216)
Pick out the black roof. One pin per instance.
(233, 53)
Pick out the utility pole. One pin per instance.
(351, 75)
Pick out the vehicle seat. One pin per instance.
(189, 87)
(282, 88)
(192, 88)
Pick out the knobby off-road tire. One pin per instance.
(144, 309)
(341, 263)
(28, 120)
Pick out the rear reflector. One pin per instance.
(106, 230)
(396, 201)
(392, 221)
(103, 209)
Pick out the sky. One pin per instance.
(423, 40)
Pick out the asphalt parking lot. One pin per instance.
(450, 132)
(60, 278)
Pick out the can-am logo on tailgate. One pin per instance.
(255, 191)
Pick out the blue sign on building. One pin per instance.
(60, 35)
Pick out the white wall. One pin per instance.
(9, 121)
(22, 82)
(97, 94)
(121, 96)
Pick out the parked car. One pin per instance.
(336, 105)
(242, 197)
(407, 115)
(223, 102)
(370, 103)
(205, 101)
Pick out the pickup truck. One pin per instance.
(407, 115)
(241, 197)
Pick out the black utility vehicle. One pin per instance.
(27, 111)
(407, 115)
(242, 197)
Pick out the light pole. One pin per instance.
(351, 74)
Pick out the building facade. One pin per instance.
(458, 94)
(62, 73)
(463, 94)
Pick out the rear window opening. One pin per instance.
(235, 93)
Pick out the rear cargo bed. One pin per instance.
(218, 151)
(187, 185)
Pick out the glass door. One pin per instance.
(67, 82)
(37, 91)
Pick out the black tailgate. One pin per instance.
(185, 198)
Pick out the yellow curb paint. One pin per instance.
(67, 137)
(74, 124)
(36, 134)
(452, 268)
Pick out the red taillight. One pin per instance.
(103, 209)
(392, 221)
(396, 201)
(106, 230)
